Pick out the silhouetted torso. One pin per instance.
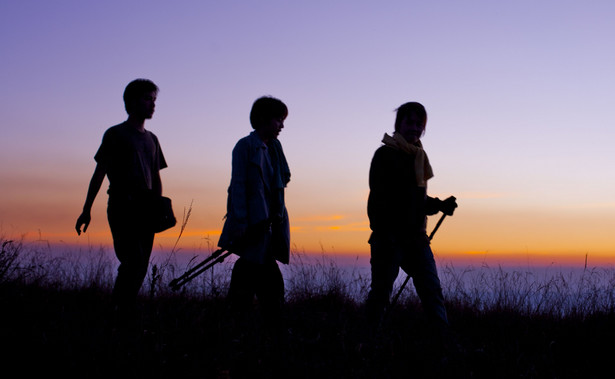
(131, 159)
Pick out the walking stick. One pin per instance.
(216, 257)
(403, 286)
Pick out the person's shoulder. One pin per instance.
(385, 150)
(386, 153)
(249, 141)
(151, 134)
(242, 146)
(381, 148)
(244, 140)
(113, 130)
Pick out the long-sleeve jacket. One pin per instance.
(397, 206)
(254, 195)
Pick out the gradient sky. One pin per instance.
(519, 97)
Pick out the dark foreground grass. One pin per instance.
(57, 319)
(72, 333)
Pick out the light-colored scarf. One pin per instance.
(422, 168)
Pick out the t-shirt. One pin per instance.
(131, 158)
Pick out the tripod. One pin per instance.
(216, 257)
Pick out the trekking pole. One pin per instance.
(403, 286)
(216, 257)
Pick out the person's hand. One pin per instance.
(448, 206)
(84, 219)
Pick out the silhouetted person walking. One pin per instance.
(257, 225)
(397, 207)
(131, 158)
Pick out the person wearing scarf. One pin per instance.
(257, 224)
(398, 206)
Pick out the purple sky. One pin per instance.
(519, 96)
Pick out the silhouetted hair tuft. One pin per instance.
(136, 89)
(266, 108)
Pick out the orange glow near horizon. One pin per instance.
(349, 239)
(480, 231)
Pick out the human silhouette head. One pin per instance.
(265, 109)
(135, 90)
(411, 109)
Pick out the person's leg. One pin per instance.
(270, 292)
(242, 288)
(422, 268)
(269, 287)
(384, 271)
(241, 296)
(133, 247)
(133, 253)
(429, 290)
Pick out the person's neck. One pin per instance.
(263, 138)
(137, 123)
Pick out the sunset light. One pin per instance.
(519, 101)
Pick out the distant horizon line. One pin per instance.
(465, 258)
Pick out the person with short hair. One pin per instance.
(131, 158)
(398, 206)
(257, 223)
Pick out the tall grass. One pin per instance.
(511, 322)
(318, 276)
(526, 292)
(37, 263)
(484, 289)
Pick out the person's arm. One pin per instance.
(239, 189)
(95, 184)
(160, 164)
(382, 197)
(157, 183)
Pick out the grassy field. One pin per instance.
(57, 318)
